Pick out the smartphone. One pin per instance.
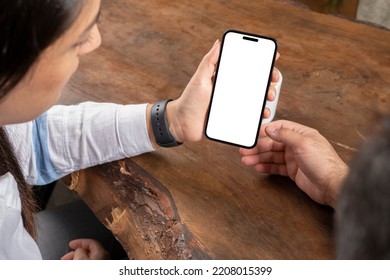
(241, 82)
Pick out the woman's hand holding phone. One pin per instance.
(187, 115)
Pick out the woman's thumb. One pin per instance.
(207, 66)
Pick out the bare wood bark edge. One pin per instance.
(145, 218)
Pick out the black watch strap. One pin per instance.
(160, 125)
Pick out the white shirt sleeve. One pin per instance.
(70, 138)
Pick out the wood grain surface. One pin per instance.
(336, 79)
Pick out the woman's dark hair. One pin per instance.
(27, 29)
(363, 211)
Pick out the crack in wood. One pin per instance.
(151, 212)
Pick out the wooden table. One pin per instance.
(197, 200)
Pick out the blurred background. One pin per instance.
(373, 11)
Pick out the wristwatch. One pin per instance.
(160, 125)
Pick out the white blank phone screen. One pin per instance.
(240, 89)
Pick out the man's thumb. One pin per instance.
(284, 135)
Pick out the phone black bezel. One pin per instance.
(215, 81)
